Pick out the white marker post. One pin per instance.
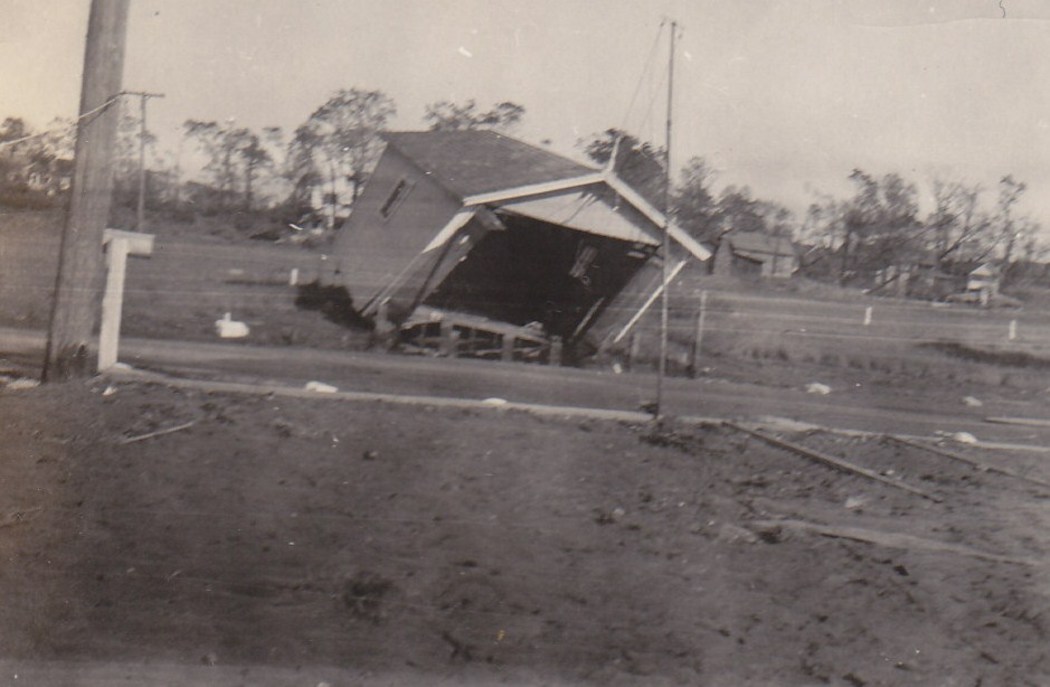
(1013, 330)
(119, 244)
(699, 339)
(867, 316)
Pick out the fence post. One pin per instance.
(1013, 330)
(508, 347)
(867, 316)
(698, 342)
(112, 303)
(293, 277)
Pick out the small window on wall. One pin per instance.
(396, 197)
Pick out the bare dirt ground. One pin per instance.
(311, 537)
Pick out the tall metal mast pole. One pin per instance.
(664, 295)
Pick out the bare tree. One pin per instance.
(35, 162)
(639, 163)
(960, 230)
(340, 142)
(695, 207)
(237, 156)
(1010, 230)
(446, 115)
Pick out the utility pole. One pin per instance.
(661, 371)
(77, 300)
(140, 216)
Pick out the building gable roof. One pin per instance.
(470, 163)
(486, 168)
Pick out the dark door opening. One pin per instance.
(539, 272)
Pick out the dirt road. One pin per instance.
(919, 408)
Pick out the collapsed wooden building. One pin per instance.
(510, 246)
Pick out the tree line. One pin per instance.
(307, 174)
(316, 171)
(866, 238)
(880, 226)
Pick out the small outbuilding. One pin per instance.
(502, 240)
(983, 281)
(755, 253)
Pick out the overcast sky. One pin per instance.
(786, 96)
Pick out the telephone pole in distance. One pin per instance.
(140, 215)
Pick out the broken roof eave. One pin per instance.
(609, 178)
(656, 217)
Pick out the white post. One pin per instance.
(1013, 330)
(119, 244)
(698, 341)
(867, 316)
(112, 303)
(293, 277)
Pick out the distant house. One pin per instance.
(966, 281)
(53, 178)
(983, 281)
(473, 227)
(913, 274)
(755, 253)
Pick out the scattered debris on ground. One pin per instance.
(818, 388)
(478, 544)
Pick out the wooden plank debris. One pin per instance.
(896, 540)
(984, 467)
(1022, 421)
(158, 433)
(832, 461)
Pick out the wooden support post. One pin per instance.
(556, 351)
(449, 339)
(76, 305)
(635, 350)
(119, 244)
(385, 332)
(508, 348)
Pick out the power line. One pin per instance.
(85, 115)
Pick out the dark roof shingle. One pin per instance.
(472, 162)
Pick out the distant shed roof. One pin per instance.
(474, 162)
(757, 245)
